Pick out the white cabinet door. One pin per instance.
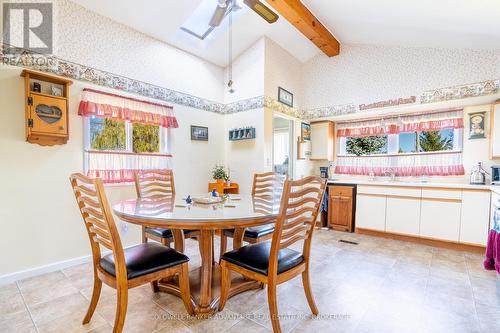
(403, 216)
(475, 217)
(322, 141)
(440, 219)
(370, 212)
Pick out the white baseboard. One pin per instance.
(40, 270)
(25, 274)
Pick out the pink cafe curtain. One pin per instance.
(120, 167)
(108, 105)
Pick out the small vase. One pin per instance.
(220, 181)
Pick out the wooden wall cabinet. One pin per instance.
(46, 115)
(322, 140)
(341, 208)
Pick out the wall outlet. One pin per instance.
(124, 228)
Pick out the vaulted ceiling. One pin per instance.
(424, 23)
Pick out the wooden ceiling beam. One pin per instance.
(295, 12)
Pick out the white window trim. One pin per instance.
(164, 137)
(164, 143)
(393, 145)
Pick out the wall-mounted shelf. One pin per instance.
(238, 134)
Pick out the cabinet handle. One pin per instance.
(61, 127)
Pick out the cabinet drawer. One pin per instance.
(413, 192)
(344, 191)
(367, 189)
(442, 193)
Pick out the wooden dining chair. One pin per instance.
(272, 262)
(159, 183)
(123, 269)
(265, 186)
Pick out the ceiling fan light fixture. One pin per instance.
(262, 10)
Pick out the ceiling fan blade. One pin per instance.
(218, 15)
(263, 11)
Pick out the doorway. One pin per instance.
(282, 145)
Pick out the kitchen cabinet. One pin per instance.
(403, 215)
(322, 140)
(340, 207)
(474, 225)
(370, 211)
(440, 219)
(495, 131)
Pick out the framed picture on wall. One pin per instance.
(285, 97)
(305, 131)
(477, 126)
(199, 133)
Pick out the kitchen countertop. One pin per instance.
(410, 183)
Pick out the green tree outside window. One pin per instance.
(107, 134)
(145, 138)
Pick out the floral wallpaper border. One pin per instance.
(462, 91)
(51, 64)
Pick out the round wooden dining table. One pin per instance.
(173, 213)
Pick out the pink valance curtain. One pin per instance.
(432, 121)
(107, 105)
(120, 167)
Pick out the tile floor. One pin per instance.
(379, 285)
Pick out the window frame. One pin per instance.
(164, 134)
(393, 146)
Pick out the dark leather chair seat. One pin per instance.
(255, 257)
(144, 259)
(254, 232)
(162, 233)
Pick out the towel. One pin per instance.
(492, 260)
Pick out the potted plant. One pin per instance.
(219, 174)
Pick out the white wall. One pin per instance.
(39, 217)
(367, 74)
(248, 74)
(282, 70)
(87, 38)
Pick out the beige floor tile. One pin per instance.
(72, 323)
(248, 302)
(289, 317)
(380, 285)
(45, 288)
(247, 326)
(11, 300)
(73, 304)
(19, 322)
(218, 323)
(81, 276)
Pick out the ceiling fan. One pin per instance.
(223, 6)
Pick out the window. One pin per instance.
(402, 143)
(198, 24)
(369, 145)
(121, 136)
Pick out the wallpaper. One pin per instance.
(364, 74)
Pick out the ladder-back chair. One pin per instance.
(159, 183)
(266, 186)
(272, 262)
(123, 269)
